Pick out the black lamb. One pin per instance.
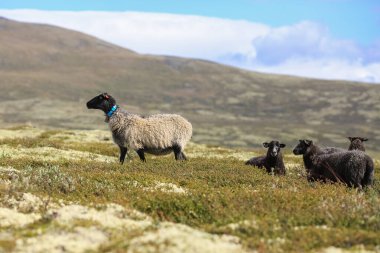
(357, 143)
(272, 161)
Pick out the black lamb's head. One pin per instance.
(103, 102)
(302, 147)
(357, 143)
(273, 147)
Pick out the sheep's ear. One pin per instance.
(364, 139)
(351, 138)
(282, 145)
(266, 144)
(308, 142)
(105, 95)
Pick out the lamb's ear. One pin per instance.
(266, 144)
(351, 138)
(308, 142)
(106, 96)
(364, 139)
(282, 145)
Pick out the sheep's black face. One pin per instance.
(102, 102)
(357, 140)
(302, 147)
(273, 147)
(357, 143)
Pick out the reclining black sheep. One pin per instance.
(272, 161)
(354, 168)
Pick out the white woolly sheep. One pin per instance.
(158, 134)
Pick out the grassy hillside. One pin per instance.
(48, 73)
(64, 190)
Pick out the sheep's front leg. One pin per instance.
(123, 152)
(140, 152)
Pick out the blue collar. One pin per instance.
(113, 109)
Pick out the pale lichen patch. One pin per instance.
(12, 218)
(173, 238)
(6, 170)
(80, 240)
(244, 223)
(167, 187)
(24, 132)
(83, 136)
(113, 216)
(49, 154)
(357, 249)
(7, 175)
(160, 186)
(86, 228)
(26, 203)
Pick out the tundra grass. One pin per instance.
(221, 195)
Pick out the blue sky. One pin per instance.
(330, 39)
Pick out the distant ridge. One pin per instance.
(47, 74)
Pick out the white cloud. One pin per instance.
(302, 40)
(327, 69)
(152, 33)
(303, 49)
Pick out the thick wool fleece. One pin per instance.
(156, 132)
(330, 150)
(269, 163)
(354, 168)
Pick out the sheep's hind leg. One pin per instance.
(183, 156)
(178, 154)
(140, 152)
(123, 152)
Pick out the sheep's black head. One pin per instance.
(302, 147)
(273, 147)
(103, 102)
(357, 143)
